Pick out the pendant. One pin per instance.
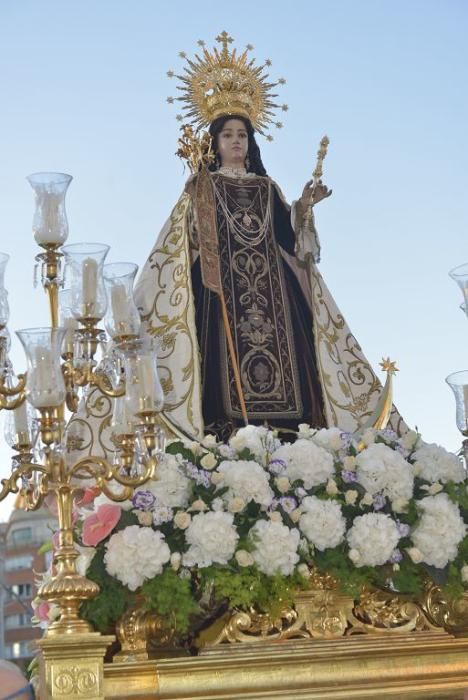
(246, 220)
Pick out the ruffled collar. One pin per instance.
(234, 172)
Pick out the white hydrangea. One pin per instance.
(322, 523)
(439, 530)
(372, 539)
(381, 469)
(251, 438)
(275, 547)
(136, 554)
(171, 486)
(306, 461)
(247, 480)
(434, 463)
(328, 438)
(212, 538)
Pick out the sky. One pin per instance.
(83, 90)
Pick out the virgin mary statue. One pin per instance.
(247, 330)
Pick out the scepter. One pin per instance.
(321, 153)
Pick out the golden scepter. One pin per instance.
(321, 153)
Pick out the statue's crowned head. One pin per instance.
(224, 83)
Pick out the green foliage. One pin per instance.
(453, 589)
(409, 578)
(178, 448)
(337, 563)
(113, 600)
(171, 596)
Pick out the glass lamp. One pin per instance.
(45, 387)
(50, 224)
(143, 388)
(123, 319)
(84, 275)
(460, 276)
(4, 308)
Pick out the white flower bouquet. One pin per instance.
(241, 524)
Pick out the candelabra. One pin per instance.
(458, 381)
(64, 361)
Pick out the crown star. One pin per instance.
(389, 366)
(225, 82)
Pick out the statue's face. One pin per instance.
(233, 143)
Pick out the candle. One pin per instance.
(89, 289)
(20, 415)
(146, 388)
(49, 228)
(465, 405)
(42, 383)
(70, 324)
(120, 308)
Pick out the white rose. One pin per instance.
(144, 517)
(236, 505)
(244, 558)
(322, 522)
(275, 547)
(212, 538)
(182, 520)
(275, 517)
(209, 461)
(176, 560)
(367, 500)
(415, 555)
(409, 439)
(328, 438)
(194, 447)
(253, 438)
(198, 505)
(296, 515)
(331, 488)
(396, 567)
(209, 441)
(400, 505)
(351, 497)
(217, 478)
(283, 484)
(354, 555)
(303, 570)
(368, 437)
(349, 463)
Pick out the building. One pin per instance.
(20, 539)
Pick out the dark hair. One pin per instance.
(253, 154)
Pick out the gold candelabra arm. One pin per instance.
(8, 391)
(11, 404)
(87, 376)
(25, 469)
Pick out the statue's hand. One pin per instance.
(312, 194)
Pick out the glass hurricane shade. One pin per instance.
(45, 387)
(4, 308)
(123, 420)
(458, 382)
(84, 275)
(460, 276)
(67, 321)
(144, 393)
(122, 319)
(50, 224)
(19, 425)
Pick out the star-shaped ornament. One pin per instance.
(389, 366)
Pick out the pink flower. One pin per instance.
(88, 496)
(96, 527)
(42, 611)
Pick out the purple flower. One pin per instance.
(288, 504)
(277, 466)
(348, 476)
(389, 435)
(403, 529)
(396, 556)
(346, 438)
(143, 500)
(200, 476)
(379, 501)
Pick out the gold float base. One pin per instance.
(71, 666)
(405, 666)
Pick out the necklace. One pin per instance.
(242, 226)
(234, 172)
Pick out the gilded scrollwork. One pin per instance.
(75, 681)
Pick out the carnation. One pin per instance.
(212, 538)
(381, 469)
(322, 523)
(439, 530)
(372, 539)
(250, 438)
(247, 480)
(434, 463)
(275, 547)
(171, 486)
(136, 554)
(306, 461)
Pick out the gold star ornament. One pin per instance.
(388, 366)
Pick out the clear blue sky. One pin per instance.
(83, 87)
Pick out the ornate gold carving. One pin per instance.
(449, 614)
(144, 634)
(73, 681)
(380, 612)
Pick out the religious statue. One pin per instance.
(248, 332)
(245, 328)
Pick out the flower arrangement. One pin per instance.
(242, 524)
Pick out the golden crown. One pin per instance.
(223, 82)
